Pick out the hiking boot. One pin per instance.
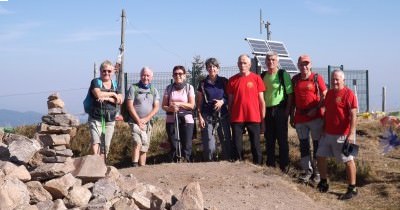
(316, 178)
(135, 164)
(349, 194)
(323, 187)
(304, 178)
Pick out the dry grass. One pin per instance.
(378, 176)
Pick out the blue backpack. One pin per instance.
(88, 101)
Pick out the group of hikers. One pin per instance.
(228, 108)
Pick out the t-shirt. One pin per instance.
(179, 96)
(307, 96)
(143, 100)
(245, 91)
(274, 93)
(338, 106)
(213, 91)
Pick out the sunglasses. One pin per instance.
(107, 71)
(178, 74)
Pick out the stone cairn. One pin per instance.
(56, 130)
(39, 173)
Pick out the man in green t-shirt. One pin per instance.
(278, 100)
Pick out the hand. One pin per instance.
(173, 108)
(142, 126)
(202, 122)
(351, 138)
(218, 104)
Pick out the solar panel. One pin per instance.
(258, 46)
(278, 47)
(287, 64)
(261, 62)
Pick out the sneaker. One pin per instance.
(135, 164)
(304, 178)
(323, 187)
(349, 194)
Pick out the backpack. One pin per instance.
(296, 78)
(124, 108)
(89, 100)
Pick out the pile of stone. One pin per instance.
(55, 131)
(74, 183)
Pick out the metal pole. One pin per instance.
(367, 90)
(94, 70)
(383, 99)
(121, 86)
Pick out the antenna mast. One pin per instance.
(266, 25)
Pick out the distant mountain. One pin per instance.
(10, 118)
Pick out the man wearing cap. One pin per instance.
(306, 115)
(339, 129)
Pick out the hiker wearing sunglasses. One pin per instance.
(178, 102)
(103, 109)
(339, 132)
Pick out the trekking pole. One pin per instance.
(103, 134)
(178, 138)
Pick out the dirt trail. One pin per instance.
(228, 185)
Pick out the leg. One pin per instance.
(322, 166)
(170, 128)
(282, 136)
(351, 172)
(142, 158)
(208, 140)
(237, 130)
(186, 131)
(254, 134)
(269, 135)
(108, 137)
(95, 132)
(303, 133)
(224, 135)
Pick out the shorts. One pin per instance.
(141, 137)
(95, 132)
(314, 127)
(331, 146)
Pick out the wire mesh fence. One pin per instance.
(357, 80)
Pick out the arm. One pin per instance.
(353, 124)
(262, 105)
(198, 105)
(289, 104)
(230, 102)
(168, 107)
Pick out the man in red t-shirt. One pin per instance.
(306, 115)
(246, 107)
(339, 129)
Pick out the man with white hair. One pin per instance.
(142, 104)
(339, 129)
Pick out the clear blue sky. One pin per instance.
(51, 45)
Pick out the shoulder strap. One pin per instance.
(316, 84)
(263, 74)
(281, 80)
(169, 92)
(114, 83)
(203, 91)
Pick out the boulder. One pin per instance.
(191, 198)
(78, 196)
(55, 103)
(90, 168)
(106, 188)
(13, 193)
(37, 192)
(11, 170)
(59, 187)
(23, 149)
(52, 170)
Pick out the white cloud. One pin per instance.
(4, 11)
(321, 9)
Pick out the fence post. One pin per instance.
(383, 99)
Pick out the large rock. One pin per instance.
(53, 129)
(10, 137)
(191, 198)
(106, 188)
(90, 168)
(4, 153)
(49, 140)
(61, 120)
(11, 170)
(55, 103)
(125, 203)
(37, 192)
(13, 193)
(59, 187)
(22, 150)
(99, 203)
(52, 170)
(55, 159)
(78, 196)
